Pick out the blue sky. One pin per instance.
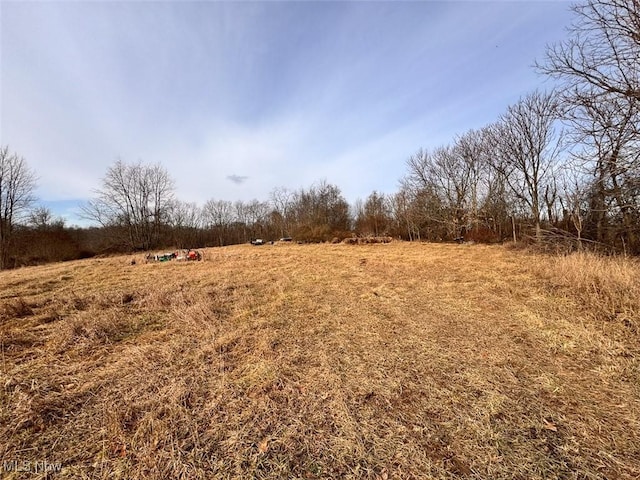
(237, 98)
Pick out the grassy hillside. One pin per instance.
(326, 361)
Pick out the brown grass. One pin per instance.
(324, 361)
(609, 287)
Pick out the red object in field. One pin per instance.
(192, 255)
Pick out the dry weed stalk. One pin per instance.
(607, 287)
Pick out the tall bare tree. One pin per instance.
(185, 220)
(605, 129)
(320, 212)
(373, 217)
(17, 185)
(424, 205)
(527, 148)
(242, 218)
(599, 69)
(402, 211)
(282, 201)
(257, 217)
(574, 200)
(602, 52)
(419, 204)
(218, 215)
(42, 218)
(453, 175)
(472, 149)
(135, 197)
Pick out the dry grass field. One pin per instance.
(323, 361)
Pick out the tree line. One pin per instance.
(559, 166)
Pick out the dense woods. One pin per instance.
(558, 167)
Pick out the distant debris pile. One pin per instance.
(366, 240)
(179, 255)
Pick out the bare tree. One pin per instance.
(17, 185)
(599, 69)
(320, 213)
(135, 197)
(602, 52)
(472, 150)
(419, 204)
(373, 217)
(424, 204)
(606, 129)
(42, 218)
(452, 174)
(575, 205)
(527, 148)
(401, 211)
(218, 215)
(498, 205)
(282, 202)
(185, 220)
(242, 218)
(257, 217)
